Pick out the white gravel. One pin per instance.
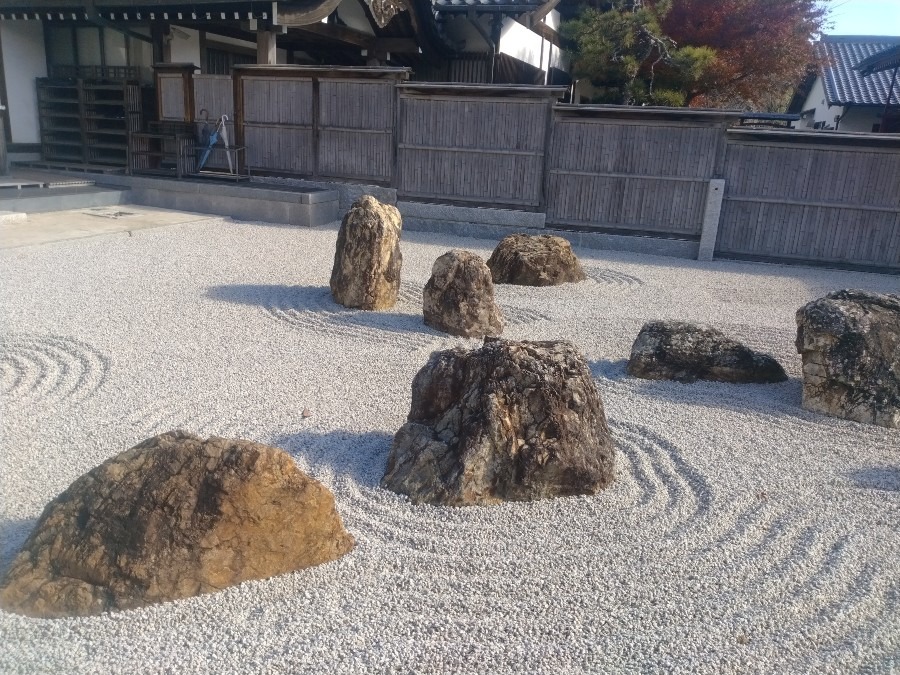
(743, 534)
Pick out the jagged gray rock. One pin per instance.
(850, 344)
(509, 421)
(534, 260)
(367, 258)
(675, 350)
(459, 297)
(173, 517)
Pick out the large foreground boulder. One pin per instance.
(175, 516)
(850, 343)
(674, 350)
(509, 421)
(541, 260)
(367, 258)
(459, 297)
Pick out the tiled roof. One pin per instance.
(843, 84)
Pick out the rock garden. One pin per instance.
(702, 464)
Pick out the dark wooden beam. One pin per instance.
(342, 34)
(537, 15)
(543, 30)
(397, 45)
(106, 23)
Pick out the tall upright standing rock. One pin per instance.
(850, 343)
(367, 259)
(511, 421)
(459, 297)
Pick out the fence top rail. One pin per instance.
(482, 90)
(360, 72)
(832, 138)
(649, 112)
(175, 67)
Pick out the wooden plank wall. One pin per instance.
(356, 129)
(278, 123)
(785, 198)
(215, 95)
(486, 150)
(630, 174)
(170, 89)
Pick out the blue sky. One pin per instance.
(864, 17)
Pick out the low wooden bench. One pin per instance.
(167, 148)
(171, 148)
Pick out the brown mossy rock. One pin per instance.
(685, 352)
(367, 258)
(175, 516)
(850, 344)
(459, 297)
(534, 260)
(510, 421)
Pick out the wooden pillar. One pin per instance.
(266, 54)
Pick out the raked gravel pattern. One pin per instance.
(742, 535)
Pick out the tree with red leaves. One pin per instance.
(762, 47)
(734, 53)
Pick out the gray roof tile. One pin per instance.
(843, 84)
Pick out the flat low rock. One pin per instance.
(850, 344)
(510, 421)
(459, 297)
(686, 352)
(367, 257)
(534, 260)
(175, 516)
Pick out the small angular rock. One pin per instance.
(175, 516)
(850, 344)
(528, 260)
(459, 297)
(511, 421)
(674, 350)
(367, 258)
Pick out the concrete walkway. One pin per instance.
(43, 228)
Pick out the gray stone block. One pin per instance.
(287, 207)
(40, 200)
(467, 214)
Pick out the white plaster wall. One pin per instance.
(184, 50)
(214, 38)
(460, 30)
(352, 14)
(815, 100)
(520, 43)
(23, 60)
(515, 40)
(860, 119)
(852, 118)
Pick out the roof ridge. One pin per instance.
(869, 39)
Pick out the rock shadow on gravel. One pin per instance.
(13, 534)
(885, 478)
(782, 399)
(311, 305)
(360, 456)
